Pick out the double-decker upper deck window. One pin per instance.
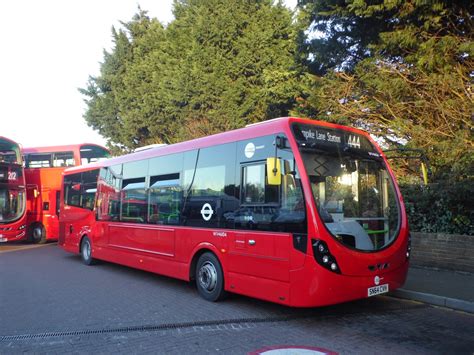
(63, 159)
(93, 153)
(39, 160)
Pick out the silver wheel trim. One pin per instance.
(86, 250)
(207, 276)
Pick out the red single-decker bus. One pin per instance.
(294, 211)
(12, 192)
(43, 169)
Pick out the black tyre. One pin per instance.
(38, 234)
(86, 251)
(210, 278)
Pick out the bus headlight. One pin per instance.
(323, 257)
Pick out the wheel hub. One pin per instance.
(208, 276)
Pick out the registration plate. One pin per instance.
(3, 240)
(377, 290)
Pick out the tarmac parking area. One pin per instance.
(51, 302)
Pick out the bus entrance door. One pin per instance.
(259, 262)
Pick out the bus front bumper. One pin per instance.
(315, 286)
(12, 235)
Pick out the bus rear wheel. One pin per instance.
(210, 278)
(86, 251)
(38, 234)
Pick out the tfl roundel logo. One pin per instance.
(206, 212)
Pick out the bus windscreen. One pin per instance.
(352, 189)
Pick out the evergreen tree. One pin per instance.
(115, 98)
(219, 65)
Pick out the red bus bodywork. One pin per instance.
(12, 192)
(43, 169)
(277, 266)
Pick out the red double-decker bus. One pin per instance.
(43, 169)
(293, 211)
(12, 192)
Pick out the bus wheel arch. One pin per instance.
(37, 233)
(85, 250)
(206, 270)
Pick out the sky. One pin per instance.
(49, 49)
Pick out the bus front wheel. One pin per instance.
(210, 278)
(86, 251)
(38, 234)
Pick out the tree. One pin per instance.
(235, 64)
(111, 109)
(414, 84)
(219, 65)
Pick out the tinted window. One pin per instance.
(210, 195)
(255, 190)
(166, 192)
(217, 187)
(89, 188)
(136, 169)
(168, 164)
(108, 202)
(134, 200)
(166, 197)
(72, 190)
(80, 189)
(263, 206)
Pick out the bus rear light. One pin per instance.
(323, 257)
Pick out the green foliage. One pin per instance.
(218, 66)
(406, 75)
(440, 208)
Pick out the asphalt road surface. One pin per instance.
(50, 302)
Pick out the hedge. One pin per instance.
(442, 207)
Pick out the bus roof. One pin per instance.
(9, 141)
(272, 126)
(58, 148)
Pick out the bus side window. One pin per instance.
(255, 189)
(108, 202)
(89, 188)
(134, 201)
(165, 195)
(72, 191)
(268, 207)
